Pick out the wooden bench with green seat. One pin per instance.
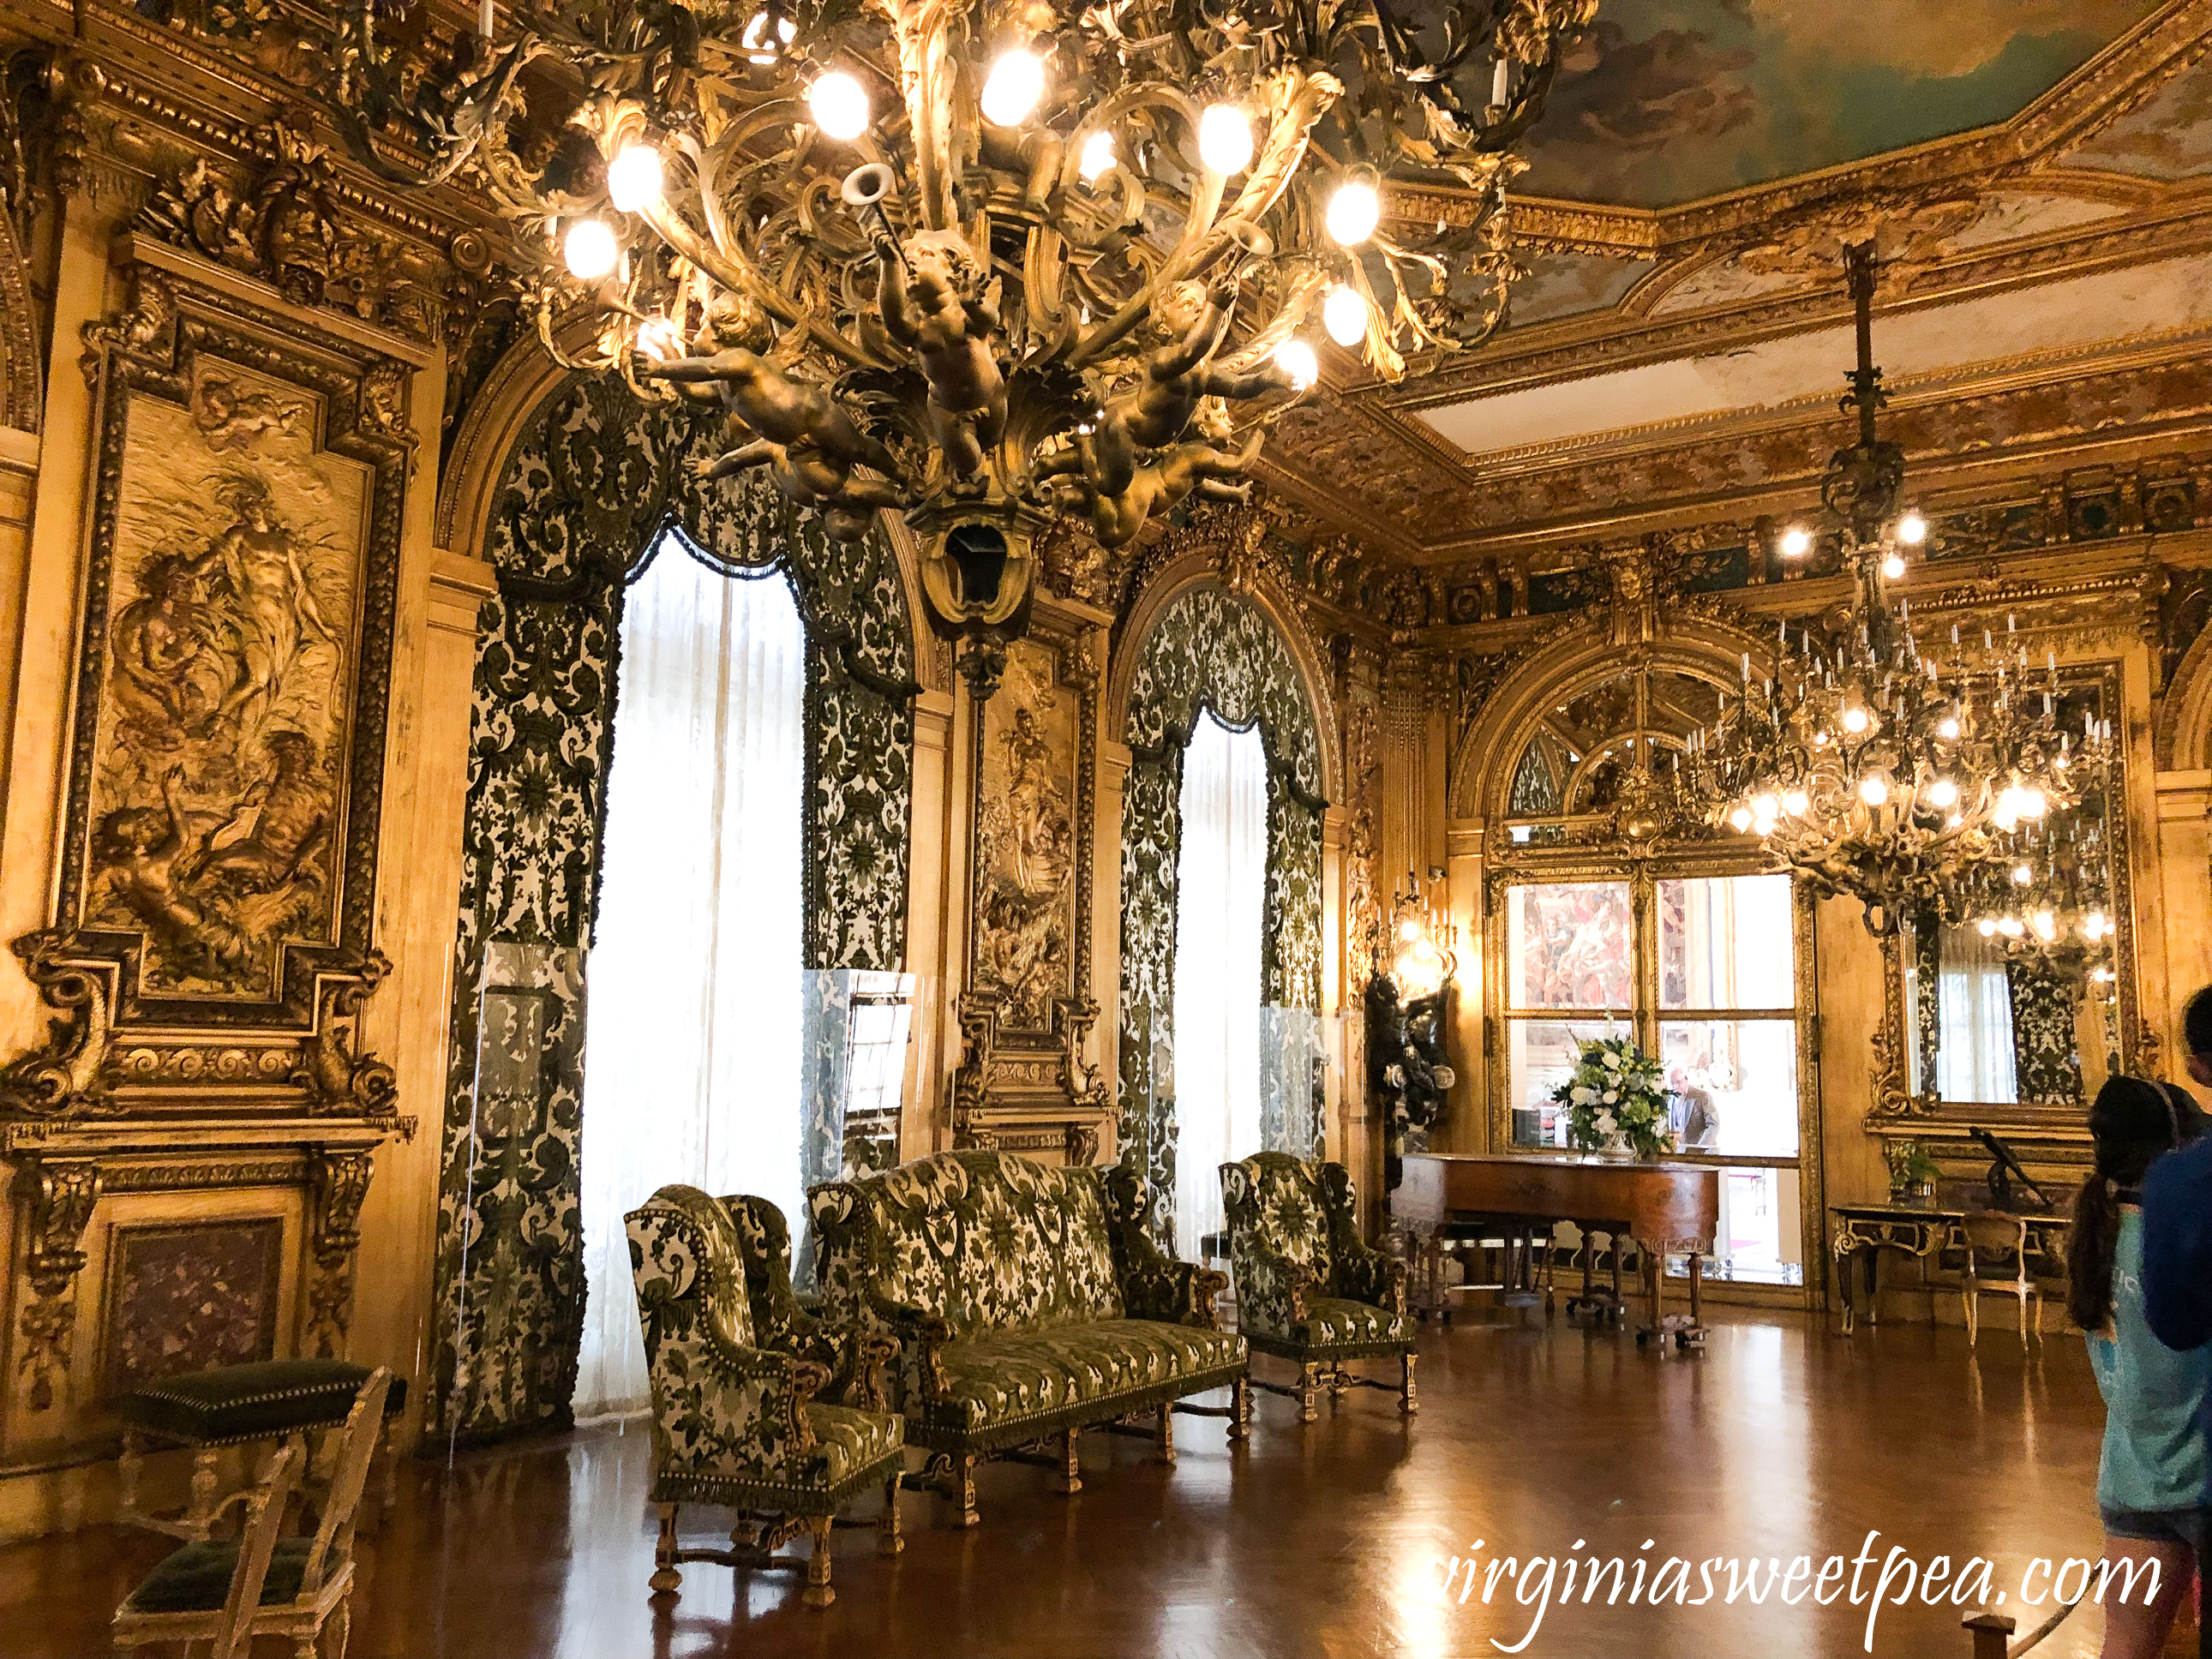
(237, 1406)
(263, 1583)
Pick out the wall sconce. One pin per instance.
(1423, 940)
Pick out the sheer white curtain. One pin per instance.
(691, 1065)
(1220, 883)
(1973, 1020)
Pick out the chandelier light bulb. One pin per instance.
(2022, 875)
(1762, 827)
(2010, 928)
(840, 105)
(1874, 789)
(1912, 528)
(1986, 927)
(634, 178)
(1796, 802)
(1796, 541)
(1942, 792)
(1947, 727)
(754, 40)
(1353, 212)
(2033, 803)
(1764, 806)
(1225, 139)
(1098, 156)
(2046, 926)
(1741, 819)
(2011, 803)
(1295, 359)
(1014, 86)
(589, 249)
(1855, 720)
(657, 340)
(1893, 566)
(1344, 313)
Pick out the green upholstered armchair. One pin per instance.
(735, 1376)
(1309, 1288)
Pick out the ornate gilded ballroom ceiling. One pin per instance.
(2039, 176)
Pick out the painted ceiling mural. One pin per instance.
(1672, 100)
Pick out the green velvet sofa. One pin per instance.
(1029, 1303)
(1308, 1289)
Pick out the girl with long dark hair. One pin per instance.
(2151, 1476)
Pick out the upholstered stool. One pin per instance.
(236, 1406)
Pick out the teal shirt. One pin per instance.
(2153, 1456)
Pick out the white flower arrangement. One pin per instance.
(1617, 1095)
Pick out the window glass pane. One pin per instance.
(1737, 1080)
(1759, 1240)
(1725, 942)
(1974, 1046)
(1570, 946)
(1541, 1055)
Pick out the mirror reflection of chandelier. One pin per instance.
(982, 261)
(1854, 759)
(2049, 893)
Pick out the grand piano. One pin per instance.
(1667, 1208)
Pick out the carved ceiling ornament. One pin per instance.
(210, 942)
(283, 224)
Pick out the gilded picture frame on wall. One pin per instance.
(212, 922)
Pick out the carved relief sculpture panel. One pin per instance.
(1022, 1083)
(209, 951)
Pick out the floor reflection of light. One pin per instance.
(1418, 1610)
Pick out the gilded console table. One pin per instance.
(1864, 1230)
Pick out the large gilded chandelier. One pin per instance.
(981, 261)
(1854, 759)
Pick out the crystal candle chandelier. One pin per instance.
(1854, 760)
(981, 261)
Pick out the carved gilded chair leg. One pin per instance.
(1164, 1436)
(818, 1592)
(199, 1514)
(1340, 1384)
(1409, 1401)
(888, 1541)
(340, 1627)
(1071, 1478)
(1240, 1409)
(665, 1577)
(964, 1473)
(1309, 1384)
(305, 1647)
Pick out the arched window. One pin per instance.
(692, 1045)
(1221, 875)
(1614, 914)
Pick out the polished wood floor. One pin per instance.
(1781, 1440)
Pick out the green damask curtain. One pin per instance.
(1209, 649)
(593, 482)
